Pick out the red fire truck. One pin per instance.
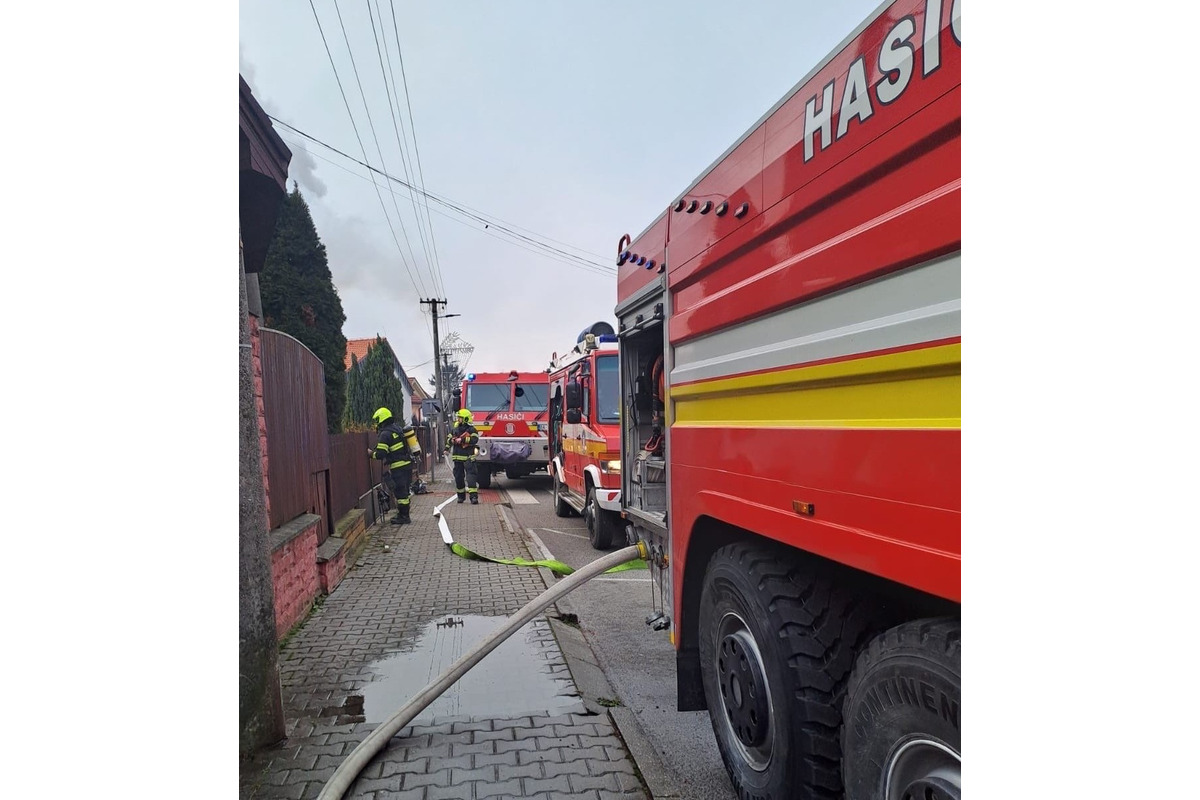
(790, 342)
(509, 410)
(585, 434)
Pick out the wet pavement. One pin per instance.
(514, 726)
(524, 675)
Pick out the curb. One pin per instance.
(593, 684)
(532, 543)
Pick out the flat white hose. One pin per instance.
(377, 739)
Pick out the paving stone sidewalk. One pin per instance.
(378, 610)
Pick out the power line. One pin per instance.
(389, 91)
(378, 149)
(452, 205)
(412, 124)
(493, 232)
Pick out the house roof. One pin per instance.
(419, 392)
(359, 348)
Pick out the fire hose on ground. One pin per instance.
(377, 739)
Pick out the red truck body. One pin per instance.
(804, 295)
(585, 434)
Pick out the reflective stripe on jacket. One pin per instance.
(467, 444)
(391, 448)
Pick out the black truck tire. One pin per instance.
(484, 477)
(777, 643)
(561, 507)
(901, 736)
(600, 529)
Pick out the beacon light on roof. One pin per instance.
(470, 376)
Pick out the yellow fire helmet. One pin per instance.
(464, 414)
(381, 416)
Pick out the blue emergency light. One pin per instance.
(470, 376)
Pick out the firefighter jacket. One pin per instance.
(392, 449)
(463, 441)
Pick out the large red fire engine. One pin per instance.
(585, 434)
(509, 411)
(790, 351)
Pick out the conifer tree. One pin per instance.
(299, 298)
(373, 384)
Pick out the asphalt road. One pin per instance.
(638, 662)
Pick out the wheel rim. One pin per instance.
(923, 769)
(747, 714)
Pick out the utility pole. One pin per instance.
(437, 388)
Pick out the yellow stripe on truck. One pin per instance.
(589, 448)
(911, 389)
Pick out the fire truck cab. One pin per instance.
(509, 410)
(585, 421)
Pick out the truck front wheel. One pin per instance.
(776, 647)
(901, 737)
(561, 507)
(601, 530)
(484, 476)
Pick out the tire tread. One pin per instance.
(822, 626)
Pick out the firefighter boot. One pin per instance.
(462, 496)
(474, 499)
(404, 516)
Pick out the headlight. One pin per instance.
(610, 466)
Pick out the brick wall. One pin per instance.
(294, 571)
(256, 349)
(333, 567)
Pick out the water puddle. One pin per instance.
(513, 680)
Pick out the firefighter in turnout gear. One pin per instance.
(393, 450)
(462, 443)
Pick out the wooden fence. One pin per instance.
(352, 472)
(309, 471)
(297, 436)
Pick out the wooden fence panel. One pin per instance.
(297, 436)
(352, 473)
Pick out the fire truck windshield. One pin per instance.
(485, 397)
(531, 397)
(608, 397)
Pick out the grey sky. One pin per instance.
(579, 122)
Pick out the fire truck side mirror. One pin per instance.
(574, 416)
(574, 396)
(457, 397)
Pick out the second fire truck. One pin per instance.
(585, 434)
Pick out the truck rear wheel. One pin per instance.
(901, 737)
(776, 647)
(485, 478)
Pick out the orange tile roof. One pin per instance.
(359, 348)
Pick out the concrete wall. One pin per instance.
(260, 702)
